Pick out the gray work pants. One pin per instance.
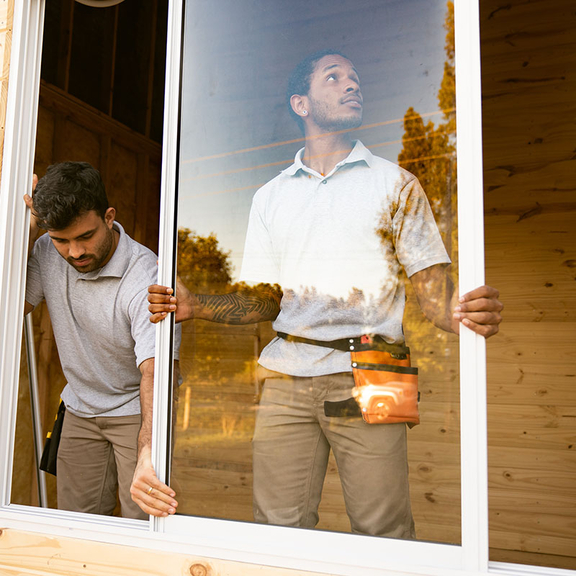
(291, 445)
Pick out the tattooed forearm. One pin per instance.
(240, 307)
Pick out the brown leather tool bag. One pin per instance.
(386, 387)
(386, 390)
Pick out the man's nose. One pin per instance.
(75, 250)
(353, 86)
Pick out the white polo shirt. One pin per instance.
(337, 244)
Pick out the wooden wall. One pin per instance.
(529, 122)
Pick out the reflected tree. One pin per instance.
(202, 265)
(429, 152)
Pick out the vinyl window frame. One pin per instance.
(348, 554)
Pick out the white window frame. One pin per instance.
(246, 542)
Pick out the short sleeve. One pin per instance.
(142, 330)
(417, 240)
(34, 290)
(259, 264)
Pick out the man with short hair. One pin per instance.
(334, 231)
(94, 279)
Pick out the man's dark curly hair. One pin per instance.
(299, 81)
(67, 191)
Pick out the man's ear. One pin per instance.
(109, 217)
(299, 105)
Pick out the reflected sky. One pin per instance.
(236, 133)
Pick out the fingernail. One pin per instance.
(458, 309)
(172, 307)
(457, 316)
(172, 299)
(461, 299)
(171, 511)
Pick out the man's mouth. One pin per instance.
(81, 262)
(353, 102)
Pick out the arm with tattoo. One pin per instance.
(245, 306)
(239, 307)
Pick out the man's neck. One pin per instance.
(324, 151)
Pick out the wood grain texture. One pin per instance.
(28, 554)
(529, 121)
(6, 18)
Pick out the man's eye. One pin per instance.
(331, 77)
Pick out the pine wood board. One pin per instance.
(560, 461)
(558, 507)
(539, 345)
(75, 142)
(30, 554)
(532, 558)
(64, 104)
(6, 18)
(44, 141)
(509, 27)
(122, 188)
(519, 384)
(530, 483)
(502, 536)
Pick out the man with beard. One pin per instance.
(334, 231)
(94, 279)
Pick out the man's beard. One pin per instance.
(321, 117)
(101, 253)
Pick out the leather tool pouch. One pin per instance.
(386, 387)
(386, 390)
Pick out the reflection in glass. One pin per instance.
(268, 428)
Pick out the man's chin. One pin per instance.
(348, 123)
(89, 266)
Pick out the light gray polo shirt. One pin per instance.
(337, 244)
(101, 324)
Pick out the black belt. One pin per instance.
(360, 344)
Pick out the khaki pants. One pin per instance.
(292, 442)
(96, 459)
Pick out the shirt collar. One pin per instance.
(117, 265)
(359, 153)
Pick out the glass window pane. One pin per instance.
(268, 428)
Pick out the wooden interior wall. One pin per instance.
(529, 123)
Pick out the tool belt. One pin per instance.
(386, 386)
